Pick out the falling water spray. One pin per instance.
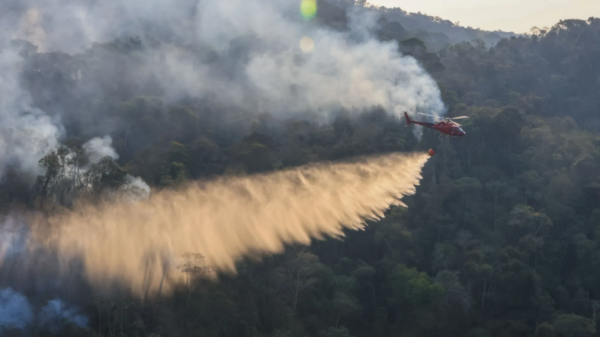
(139, 245)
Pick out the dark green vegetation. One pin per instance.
(500, 240)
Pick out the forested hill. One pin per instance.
(501, 239)
(435, 31)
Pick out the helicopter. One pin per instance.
(447, 126)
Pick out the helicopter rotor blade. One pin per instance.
(459, 117)
(434, 116)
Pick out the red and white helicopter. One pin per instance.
(446, 125)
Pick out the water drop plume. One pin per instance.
(139, 244)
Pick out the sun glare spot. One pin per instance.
(307, 44)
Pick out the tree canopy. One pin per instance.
(501, 238)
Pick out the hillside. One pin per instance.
(501, 238)
(435, 31)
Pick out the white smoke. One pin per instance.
(138, 188)
(15, 309)
(261, 64)
(351, 70)
(55, 311)
(12, 238)
(30, 28)
(26, 133)
(98, 148)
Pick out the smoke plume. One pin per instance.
(15, 309)
(56, 311)
(251, 55)
(26, 132)
(98, 148)
(140, 245)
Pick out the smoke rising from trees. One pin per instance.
(17, 312)
(70, 72)
(26, 132)
(244, 55)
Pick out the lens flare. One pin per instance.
(308, 8)
(307, 44)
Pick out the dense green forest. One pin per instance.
(501, 238)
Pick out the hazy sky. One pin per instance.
(507, 15)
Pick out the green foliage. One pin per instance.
(573, 325)
(414, 43)
(175, 175)
(178, 153)
(500, 239)
(106, 174)
(413, 288)
(335, 332)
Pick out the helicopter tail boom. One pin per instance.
(410, 121)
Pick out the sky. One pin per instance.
(517, 16)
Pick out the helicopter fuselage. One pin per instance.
(446, 126)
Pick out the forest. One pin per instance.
(501, 238)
